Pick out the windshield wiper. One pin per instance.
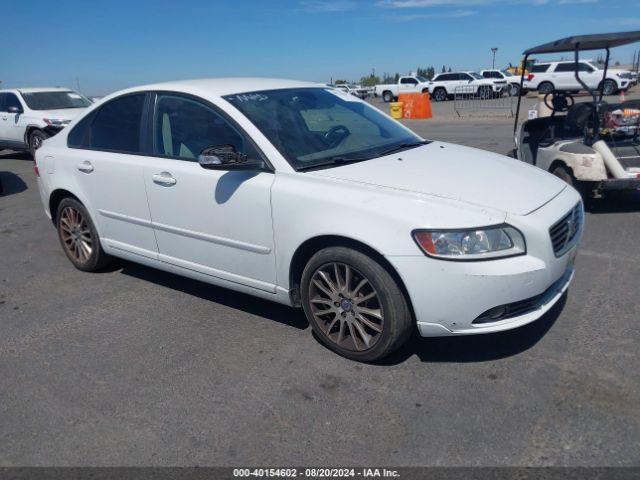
(333, 161)
(402, 146)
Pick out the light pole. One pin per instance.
(493, 63)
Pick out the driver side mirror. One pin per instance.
(225, 157)
(14, 109)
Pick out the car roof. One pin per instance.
(36, 90)
(227, 86)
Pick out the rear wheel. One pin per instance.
(484, 92)
(35, 141)
(79, 237)
(545, 88)
(354, 305)
(387, 97)
(439, 94)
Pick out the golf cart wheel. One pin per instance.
(609, 87)
(79, 237)
(354, 305)
(439, 94)
(514, 90)
(35, 141)
(387, 97)
(545, 87)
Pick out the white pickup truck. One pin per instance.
(408, 84)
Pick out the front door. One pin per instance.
(11, 131)
(212, 221)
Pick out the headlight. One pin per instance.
(473, 244)
(56, 122)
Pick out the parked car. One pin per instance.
(444, 85)
(28, 116)
(546, 77)
(310, 197)
(593, 146)
(505, 78)
(409, 84)
(355, 90)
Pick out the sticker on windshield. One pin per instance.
(347, 97)
(74, 95)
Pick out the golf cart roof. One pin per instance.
(599, 41)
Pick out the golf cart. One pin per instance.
(594, 146)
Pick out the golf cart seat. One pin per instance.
(545, 131)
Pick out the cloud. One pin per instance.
(327, 5)
(416, 4)
(422, 16)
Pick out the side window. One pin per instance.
(487, 74)
(79, 135)
(541, 68)
(585, 67)
(183, 128)
(464, 76)
(2, 97)
(565, 67)
(116, 125)
(11, 100)
(408, 81)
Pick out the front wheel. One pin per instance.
(35, 141)
(609, 88)
(79, 237)
(439, 94)
(354, 305)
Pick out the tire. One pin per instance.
(79, 237)
(609, 87)
(514, 90)
(545, 87)
(35, 141)
(338, 321)
(440, 94)
(387, 97)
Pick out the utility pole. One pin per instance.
(493, 63)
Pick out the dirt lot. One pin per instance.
(135, 367)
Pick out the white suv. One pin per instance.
(28, 116)
(503, 77)
(444, 85)
(549, 76)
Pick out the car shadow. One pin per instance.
(616, 202)
(13, 155)
(240, 301)
(477, 348)
(10, 184)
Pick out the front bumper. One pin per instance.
(620, 184)
(448, 296)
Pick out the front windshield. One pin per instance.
(312, 127)
(507, 73)
(476, 75)
(55, 100)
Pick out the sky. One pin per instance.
(107, 45)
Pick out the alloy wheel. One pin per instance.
(76, 235)
(346, 306)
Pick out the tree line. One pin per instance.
(372, 79)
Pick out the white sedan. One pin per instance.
(310, 197)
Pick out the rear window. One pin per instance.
(543, 67)
(55, 100)
(115, 126)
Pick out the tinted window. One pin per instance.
(183, 128)
(79, 135)
(11, 100)
(464, 76)
(411, 81)
(540, 68)
(571, 67)
(447, 77)
(2, 95)
(116, 125)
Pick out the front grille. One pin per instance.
(564, 233)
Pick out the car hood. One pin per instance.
(62, 114)
(457, 173)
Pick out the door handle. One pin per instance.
(85, 167)
(164, 179)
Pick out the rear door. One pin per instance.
(106, 159)
(214, 222)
